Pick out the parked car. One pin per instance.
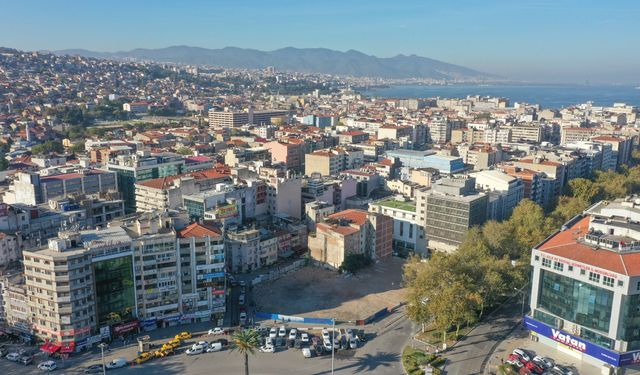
(327, 345)
(563, 370)
(282, 332)
(534, 367)
(325, 334)
(223, 342)
(174, 343)
(48, 366)
(545, 362)
(25, 360)
(280, 342)
(117, 363)
(94, 369)
(13, 357)
(165, 351)
(241, 299)
(297, 343)
(143, 357)
(304, 337)
(268, 349)
(353, 344)
(523, 354)
(217, 331)
(306, 352)
(515, 363)
(214, 347)
(361, 336)
(273, 333)
(183, 336)
(196, 349)
(243, 283)
(293, 334)
(343, 343)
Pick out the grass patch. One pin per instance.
(414, 360)
(434, 336)
(392, 203)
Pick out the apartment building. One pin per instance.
(33, 189)
(290, 153)
(439, 130)
(505, 192)
(140, 167)
(480, 156)
(585, 289)
(408, 233)
(351, 232)
(528, 133)
(202, 273)
(234, 119)
(61, 289)
(330, 162)
(166, 193)
(449, 209)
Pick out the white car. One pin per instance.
(273, 333)
(200, 343)
(325, 334)
(116, 363)
(327, 344)
(214, 347)
(304, 337)
(216, 331)
(522, 354)
(268, 349)
(293, 334)
(306, 352)
(195, 349)
(241, 300)
(48, 366)
(282, 332)
(243, 317)
(353, 344)
(13, 357)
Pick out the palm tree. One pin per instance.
(245, 342)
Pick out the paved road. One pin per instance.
(379, 355)
(469, 355)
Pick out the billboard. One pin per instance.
(223, 212)
(581, 345)
(296, 319)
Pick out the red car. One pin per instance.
(517, 358)
(534, 367)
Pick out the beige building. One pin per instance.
(60, 285)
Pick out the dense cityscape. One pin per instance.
(155, 213)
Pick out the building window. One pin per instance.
(401, 229)
(620, 283)
(410, 230)
(594, 277)
(607, 281)
(582, 272)
(546, 262)
(558, 266)
(570, 268)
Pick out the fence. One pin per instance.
(294, 319)
(279, 272)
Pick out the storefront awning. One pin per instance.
(68, 347)
(50, 347)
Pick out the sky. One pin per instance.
(550, 41)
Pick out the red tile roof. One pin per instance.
(565, 244)
(199, 230)
(358, 217)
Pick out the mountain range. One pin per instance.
(305, 60)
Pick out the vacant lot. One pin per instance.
(316, 292)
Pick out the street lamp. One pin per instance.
(104, 368)
(333, 342)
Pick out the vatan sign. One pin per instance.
(581, 345)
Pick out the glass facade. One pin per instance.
(629, 327)
(575, 301)
(448, 219)
(114, 289)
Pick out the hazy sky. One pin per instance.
(540, 40)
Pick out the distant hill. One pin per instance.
(306, 60)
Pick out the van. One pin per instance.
(214, 347)
(117, 363)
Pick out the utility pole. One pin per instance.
(104, 368)
(333, 342)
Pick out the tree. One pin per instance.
(501, 240)
(245, 342)
(47, 147)
(4, 163)
(614, 185)
(567, 208)
(185, 151)
(78, 147)
(529, 226)
(354, 262)
(584, 189)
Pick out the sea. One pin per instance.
(548, 96)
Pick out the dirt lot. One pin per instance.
(316, 292)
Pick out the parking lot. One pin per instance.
(316, 292)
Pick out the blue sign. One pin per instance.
(172, 318)
(209, 276)
(574, 342)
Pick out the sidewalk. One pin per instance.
(470, 354)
